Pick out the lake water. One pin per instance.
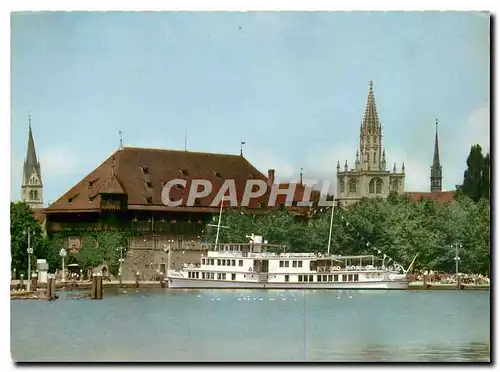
(226, 325)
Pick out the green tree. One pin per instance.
(22, 218)
(476, 184)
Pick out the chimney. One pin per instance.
(270, 177)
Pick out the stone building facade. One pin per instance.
(369, 177)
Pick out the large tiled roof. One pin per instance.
(141, 173)
(439, 197)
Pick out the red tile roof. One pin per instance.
(439, 197)
(140, 173)
(39, 214)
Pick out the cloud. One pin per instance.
(264, 161)
(477, 127)
(58, 161)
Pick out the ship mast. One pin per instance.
(331, 226)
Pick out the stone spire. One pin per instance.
(31, 163)
(436, 168)
(371, 122)
(370, 139)
(32, 187)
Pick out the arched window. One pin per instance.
(374, 158)
(341, 185)
(31, 195)
(371, 186)
(378, 186)
(352, 185)
(35, 194)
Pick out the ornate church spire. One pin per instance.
(371, 122)
(436, 168)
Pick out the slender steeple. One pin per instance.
(370, 139)
(32, 174)
(436, 168)
(371, 121)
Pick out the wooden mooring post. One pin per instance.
(162, 280)
(51, 287)
(97, 287)
(137, 280)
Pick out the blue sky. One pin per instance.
(293, 85)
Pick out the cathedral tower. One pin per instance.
(32, 188)
(369, 177)
(436, 168)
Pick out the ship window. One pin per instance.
(282, 263)
(203, 261)
(202, 275)
(233, 276)
(212, 261)
(300, 278)
(344, 278)
(300, 263)
(190, 274)
(306, 278)
(233, 262)
(294, 263)
(325, 278)
(223, 262)
(318, 278)
(219, 276)
(197, 275)
(240, 262)
(218, 262)
(349, 277)
(212, 276)
(287, 263)
(287, 278)
(336, 278)
(356, 277)
(311, 278)
(224, 276)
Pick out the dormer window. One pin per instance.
(91, 183)
(70, 199)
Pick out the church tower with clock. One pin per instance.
(436, 168)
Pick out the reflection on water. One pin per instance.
(211, 325)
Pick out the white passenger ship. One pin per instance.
(251, 265)
(254, 265)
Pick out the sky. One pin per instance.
(292, 85)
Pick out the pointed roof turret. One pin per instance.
(435, 162)
(31, 162)
(371, 120)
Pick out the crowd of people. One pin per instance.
(445, 278)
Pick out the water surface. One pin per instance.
(254, 325)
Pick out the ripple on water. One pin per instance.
(189, 325)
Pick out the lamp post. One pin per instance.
(63, 253)
(457, 257)
(30, 252)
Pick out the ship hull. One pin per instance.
(224, 284)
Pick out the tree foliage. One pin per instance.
(396, 227)
(476, 184)
(22, 218)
